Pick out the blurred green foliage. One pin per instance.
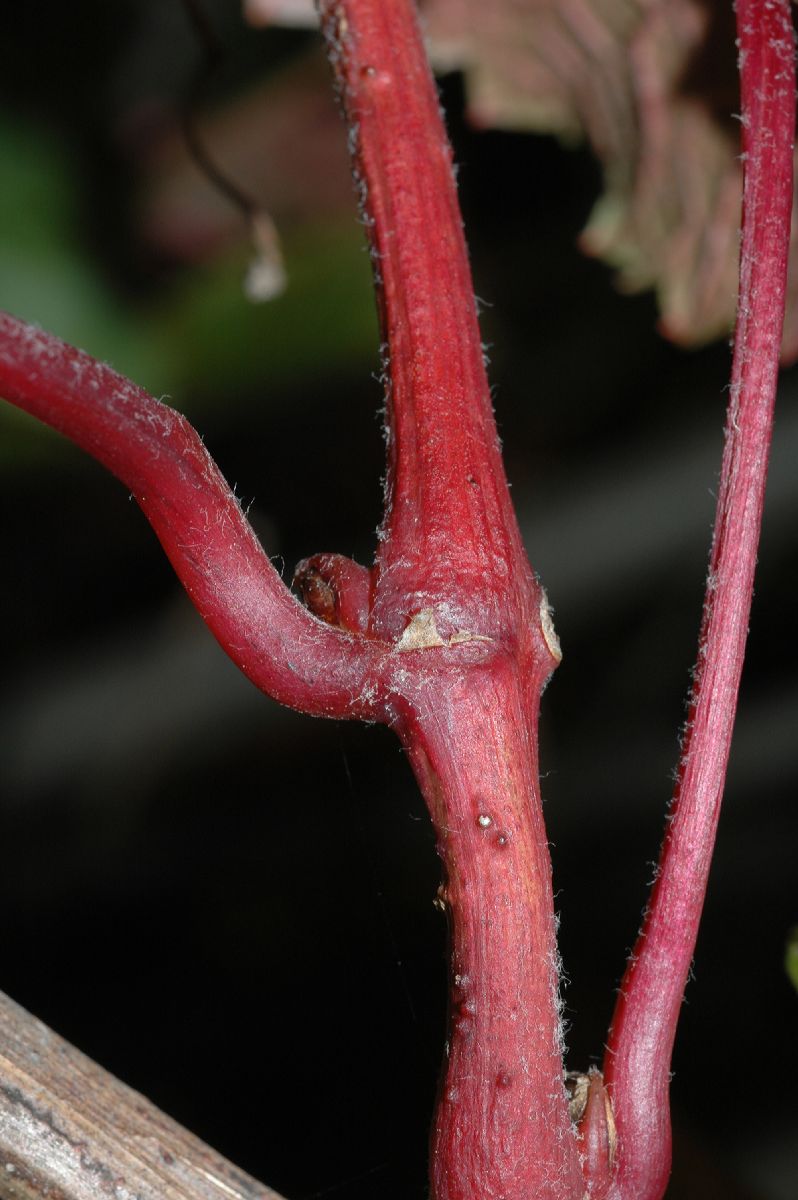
(791, 957)
(197, 336)
(46, 275)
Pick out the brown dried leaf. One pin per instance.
(280, 12)
(651, 85)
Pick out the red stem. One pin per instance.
(449, 529)
(292, 656)
(453, 585)
(641, 1040)
(502, 1125)
(449, 638)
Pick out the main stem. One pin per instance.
(449, 536)
(502, 1127)
(455, 595)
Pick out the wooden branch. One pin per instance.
(71, 1131)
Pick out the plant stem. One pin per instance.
(449, 535)
(284, 650)
(502, 1127)
(637, 1067)
(448, 639)
(454, 592)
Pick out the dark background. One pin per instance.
(229, 905)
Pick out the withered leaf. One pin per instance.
(652, 86)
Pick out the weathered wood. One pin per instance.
(71, 1131)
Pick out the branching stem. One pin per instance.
(448, 637)
(155, 452)
(455, 593)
